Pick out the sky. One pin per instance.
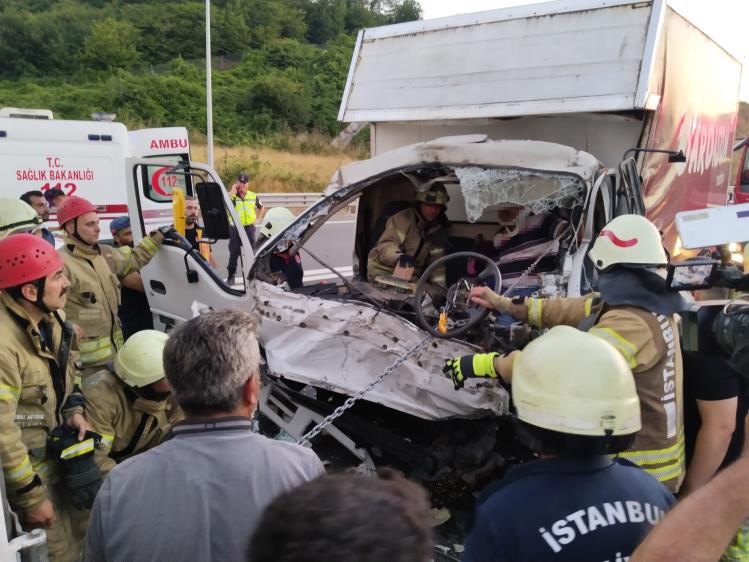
(725, 21)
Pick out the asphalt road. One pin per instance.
(333, 244)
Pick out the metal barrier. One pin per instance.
(295, 200)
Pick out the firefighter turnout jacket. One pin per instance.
(94, 273)
(650, 344)
(406, 233)
(128, 423)
(38, 392)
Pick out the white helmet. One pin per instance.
(573, 382)
(139, 362)
(628, 240)
(17, 216)
(275, 220)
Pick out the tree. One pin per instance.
(111, 44)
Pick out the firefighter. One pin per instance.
(17, 217)
(633, 311)
(414, 237)
(38, 387)
(130, 402)
(95, 272)
(283, 266)
(575, 503)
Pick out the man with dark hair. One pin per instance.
(200, 493)
(194, 232)
(37, 202)
(345, 517)
(55, 197)
(39, 391)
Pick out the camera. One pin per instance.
(719, 327)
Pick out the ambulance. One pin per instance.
(84, 158)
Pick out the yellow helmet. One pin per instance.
(573, 382)
(139, 362)
(17, 216)
(628, 240)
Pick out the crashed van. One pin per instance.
(325, 343)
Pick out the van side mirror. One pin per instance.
(215, 214)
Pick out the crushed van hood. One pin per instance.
(342, 345)
(471, 150)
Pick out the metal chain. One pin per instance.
(338, 412)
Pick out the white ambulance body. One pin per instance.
(84, 158)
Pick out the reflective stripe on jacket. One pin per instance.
(114, 411)
(246, 207)
(650, 344)
(407, 233)
(94, 294)
(37, 394)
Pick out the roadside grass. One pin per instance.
(294, 170)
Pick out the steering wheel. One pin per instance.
(457, 296)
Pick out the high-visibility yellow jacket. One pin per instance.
(127, 423)
(94, 295)
(246, 207)
(407, 233)
(38, 392)
(650, 344)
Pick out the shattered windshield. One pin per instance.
(538, 192)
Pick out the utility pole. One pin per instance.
(208, 86)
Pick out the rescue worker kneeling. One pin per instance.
(576, 405)
(130, 403)
(634, 311)
(39, 393)
(414, 238)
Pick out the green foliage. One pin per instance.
(111, 44)
(142, 59)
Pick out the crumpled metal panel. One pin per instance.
(343, 345)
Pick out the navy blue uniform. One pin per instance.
(290, 266)
(567, 510)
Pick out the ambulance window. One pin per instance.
(160, 183)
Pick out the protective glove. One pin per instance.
(81, 475)
(478, 365)
(168, 232)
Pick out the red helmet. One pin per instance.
(24, 258)
(72, 208)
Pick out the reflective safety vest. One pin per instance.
(246, 207)
(203, 247)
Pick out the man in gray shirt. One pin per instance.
(199, 495)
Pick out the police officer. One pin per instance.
(634, 312)
(575, 504)
(416, 236)
(247, 205)
(38, 390)
(130, 403)
(17, 217)
(95, 272)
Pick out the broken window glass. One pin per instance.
(538, 192)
